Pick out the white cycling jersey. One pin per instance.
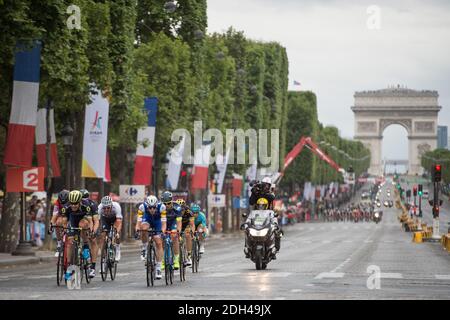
(116, 211)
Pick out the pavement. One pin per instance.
(320, 260)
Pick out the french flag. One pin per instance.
(107, 177)
(41, 141)
(144, 155)
(201, 163)
(237, 185)
(22, 121)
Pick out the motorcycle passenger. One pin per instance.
(262, 189)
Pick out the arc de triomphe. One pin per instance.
(416, 111)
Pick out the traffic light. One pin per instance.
(414, 191)
(437, 173)
(420, 190)
(435, 211)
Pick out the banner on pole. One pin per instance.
(95, 137)
(146, 144)
(22, 119)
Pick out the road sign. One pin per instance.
(131, 193)
(216, 200)
(25, 179)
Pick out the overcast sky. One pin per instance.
(333, 53)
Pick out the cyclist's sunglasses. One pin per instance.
(168, 203)
(74, 204)
(150, 208)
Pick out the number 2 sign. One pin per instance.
(25, 179)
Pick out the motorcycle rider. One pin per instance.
(262, 189)
(263, 204)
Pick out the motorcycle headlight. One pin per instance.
(258, 233)
(376, 215)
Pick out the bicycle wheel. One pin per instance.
(171, 259)
(150, 265)
(166, 265)
(104, 262)
(194, 255)
(85, 266)
(198, 256)
(60, 267)
(181, 260)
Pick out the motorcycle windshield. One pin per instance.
(260, 218)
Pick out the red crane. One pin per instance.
(308, 143)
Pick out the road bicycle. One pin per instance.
(168, 258)
(108, 256)
(150, 262)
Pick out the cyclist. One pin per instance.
(95, 224)
(58, 218)
(187, 225)
(79, 216)
(171, 221)
(200, 225)
(149, 215)
(110, 213)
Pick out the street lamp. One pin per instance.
(67, 137)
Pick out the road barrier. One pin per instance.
(445, 240)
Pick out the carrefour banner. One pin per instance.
(95, 137)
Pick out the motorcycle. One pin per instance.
(260, 237)
(376, 217)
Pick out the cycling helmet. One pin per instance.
(166, 197)
(106, 201)
(262, 204)
(75, 197)
(151, 201)
(63, 196)
(85, 193)
(181, 202)
(267, 180)
(195, 208)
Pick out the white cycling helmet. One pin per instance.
(267, 180)
(107, 201)
(151, 201)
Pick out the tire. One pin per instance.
(166, 266)
(258, 260)
(104, 262)
(181, 258)
(194, 255)
(86, 271)
(171, 264)
(264, 266)
(60, 268)
(151, 262)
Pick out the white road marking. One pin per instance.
(268, 275)
(296, 290)
(391, 275)
(310, 285)
(330, 275)
(35, 296)
(221, 274)
(326, 241)
(442, 276)
(347, 241)
(39, 277)
(368, 241)
(123, 274)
